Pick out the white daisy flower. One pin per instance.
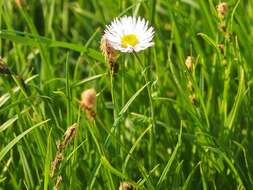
(128, 34)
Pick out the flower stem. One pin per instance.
(113, 95)
(151, 113)
(115, 111)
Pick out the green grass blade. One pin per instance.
(230, 164)
(47, 162)
(8, 123)
(134, 146)
(189, 178)
(109, 167)
(35, 40)
(204, 185)
(171, 160)
(238, 99)
(4, 98)
(26, 168)
(209, 40)
(7, 148)
(88, 80)
(130, 101)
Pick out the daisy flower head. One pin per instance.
(128, 34)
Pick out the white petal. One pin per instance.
(129, 25)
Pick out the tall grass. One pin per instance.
(168, 125)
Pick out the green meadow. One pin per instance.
(175, 116)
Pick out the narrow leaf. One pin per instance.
(130, 101)
(7, 148)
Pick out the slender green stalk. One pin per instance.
(115, 114)
(151, 113)
(18, 83)
(68, 93)
(123, 90)
(113, 95)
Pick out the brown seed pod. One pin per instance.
(88, 103)
(58, 183)
(110, 54)
(69, 134)
(58, 158)
(88, 99)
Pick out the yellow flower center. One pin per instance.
(129, 40)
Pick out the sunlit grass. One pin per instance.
(175, 116)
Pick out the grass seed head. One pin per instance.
(189, 63)
(88, 99)
(190, 86)
(58, 158)
(69, 134)
(222, 10)
(88, 102)
(58, 183)
(222, 26)
(20, 3)
(125, 186)
(221, 47)
(4, 68)
(109, 53)
(193, 99)
(59, 145)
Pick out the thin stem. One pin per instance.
(68, 93)
(95, 135)
(113, 95)
(122, 101)
(152, 116)
(18, 83)
(148, 87)
(115, 112)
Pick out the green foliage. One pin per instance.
(160, 123)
